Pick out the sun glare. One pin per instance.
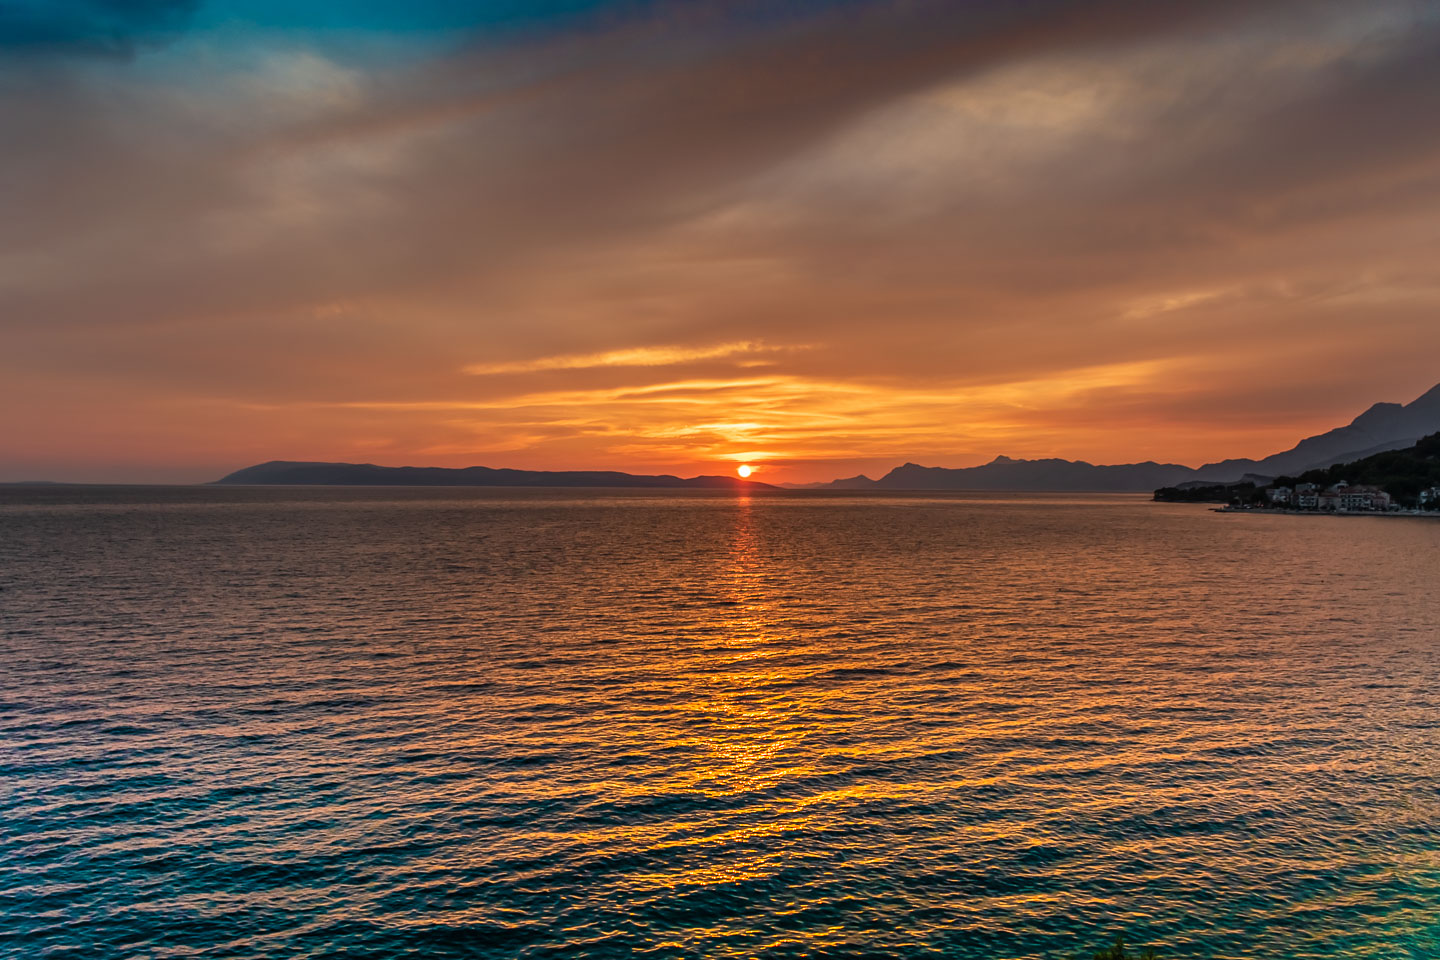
(744, 470)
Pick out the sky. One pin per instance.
(819, 237)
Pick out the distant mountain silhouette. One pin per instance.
(1003, 473)
(291, 472)
(1384, 427)
(859, 482)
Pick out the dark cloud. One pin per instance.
(517, 150)
(105, 28)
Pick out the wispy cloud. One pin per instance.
(665, 356)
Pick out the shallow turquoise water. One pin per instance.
(467, 723)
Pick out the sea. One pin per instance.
(353, 723)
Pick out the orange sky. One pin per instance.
(823, 243)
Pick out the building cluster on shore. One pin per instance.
(1343, 497)
(1403, 482)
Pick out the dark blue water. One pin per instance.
(356, 724)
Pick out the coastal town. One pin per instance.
(1400, 482)
(1340, 497)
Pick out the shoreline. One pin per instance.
(1409, 514)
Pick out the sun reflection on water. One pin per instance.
(720, 727)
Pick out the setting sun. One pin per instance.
(744, 470)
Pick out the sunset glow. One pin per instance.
(720, 478)
(837, 239)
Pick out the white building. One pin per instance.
(1359, 497)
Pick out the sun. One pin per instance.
(744, 470)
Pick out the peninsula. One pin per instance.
(304, 473)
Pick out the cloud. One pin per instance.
(106, 28)
(629, 357)
(890, 201)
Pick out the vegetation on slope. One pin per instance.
(1211, 493)
(1400, 473)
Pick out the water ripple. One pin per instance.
(457, 723)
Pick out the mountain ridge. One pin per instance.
(325, 473)
(1051, 474)
(1380, 428)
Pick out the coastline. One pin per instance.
(1409, 514)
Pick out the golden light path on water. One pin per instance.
(526, 724)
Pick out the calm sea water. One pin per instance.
(467, 723)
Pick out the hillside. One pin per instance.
(1385, 426)
(1400, 473)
